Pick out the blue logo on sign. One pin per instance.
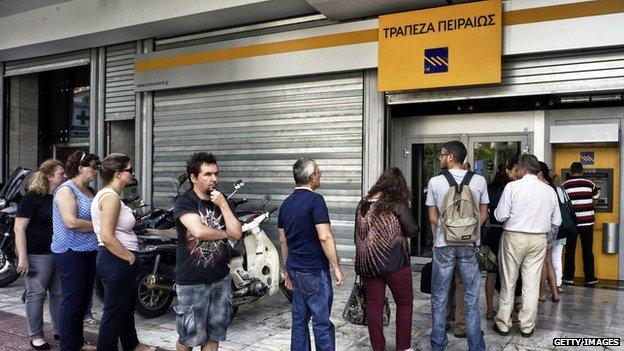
(436, 60)
(587, 158)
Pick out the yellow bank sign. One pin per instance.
(442, 47)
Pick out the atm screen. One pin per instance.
(603, 178)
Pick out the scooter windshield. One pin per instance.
(11, 189)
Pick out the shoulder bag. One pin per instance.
(568, 217)
(355, 309)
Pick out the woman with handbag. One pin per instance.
(568, 227)
(505, 173)
(383, 222)
(548, 271)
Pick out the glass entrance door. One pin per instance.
(423, 164)
(487, 153)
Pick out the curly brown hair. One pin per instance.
(393, 189)
(80, 158)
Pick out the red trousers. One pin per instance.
(400, 283)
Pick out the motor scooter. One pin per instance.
(254, 266)
(10, 195)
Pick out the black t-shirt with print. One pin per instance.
(199, 262)
(37, 208)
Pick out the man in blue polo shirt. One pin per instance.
(308, 249)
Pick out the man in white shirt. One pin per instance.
(445, 256)
(529, 208)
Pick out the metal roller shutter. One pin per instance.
(257, 131)
(47, 63)
(559, 73)
(120, 95)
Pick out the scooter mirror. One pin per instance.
(131, 192)
(239, 184)
(142, 211)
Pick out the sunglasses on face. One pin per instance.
(129, 170)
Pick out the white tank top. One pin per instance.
(125, 222)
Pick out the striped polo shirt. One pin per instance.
(582, 192)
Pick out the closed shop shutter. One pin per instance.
(257, 130)
(570, 72)
(47, 63)
(120, 96)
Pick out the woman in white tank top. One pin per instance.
(118, 245)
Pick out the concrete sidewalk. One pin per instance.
(265, 325)
(14, 333)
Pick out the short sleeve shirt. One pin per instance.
(438, 187)
(298, 217)
(198, 261)
(38, 209)
(63, 238)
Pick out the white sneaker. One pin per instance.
(592, 282)
(87, 347)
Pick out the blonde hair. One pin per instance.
(39, 181)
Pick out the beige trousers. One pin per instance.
(456, 296)
(520, 253)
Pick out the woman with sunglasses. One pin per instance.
(118, 246)
(74, 245)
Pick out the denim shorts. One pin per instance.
(204, 312)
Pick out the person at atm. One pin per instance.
(583, 192)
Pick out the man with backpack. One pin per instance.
(457, 200)
(528, 209)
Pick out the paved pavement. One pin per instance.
(265, 325)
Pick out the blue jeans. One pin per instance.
(312, 297)
(119, 280)
(444, 260)
(77, 272)
(44, 281)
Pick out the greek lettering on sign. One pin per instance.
(466, 22)
(443, 26)
(409, 29)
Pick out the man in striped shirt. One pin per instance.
(582, 192)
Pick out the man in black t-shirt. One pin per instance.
(204, 222)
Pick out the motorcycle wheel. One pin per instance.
(8, 272)
(151, 303)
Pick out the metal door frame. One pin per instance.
(403, 159)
